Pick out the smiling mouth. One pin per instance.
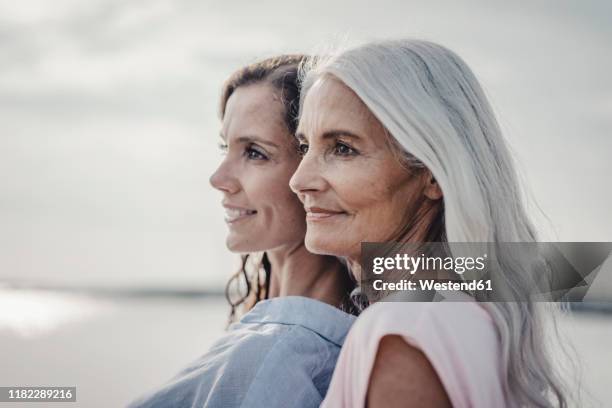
(321, 214)
(233, 215)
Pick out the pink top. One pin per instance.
(459, 339)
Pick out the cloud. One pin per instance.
(109, 118)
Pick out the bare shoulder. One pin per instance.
(402, 376)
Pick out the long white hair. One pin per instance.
(430, 102)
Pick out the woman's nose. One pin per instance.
(223, 179)
(307, 177)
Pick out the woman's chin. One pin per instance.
(240, 245)
(323, 245)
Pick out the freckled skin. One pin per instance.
(249, 181)
(372, 187)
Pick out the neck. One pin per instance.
(297, 272)
(420, 231)
(354, 265)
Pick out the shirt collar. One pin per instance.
(322, 318)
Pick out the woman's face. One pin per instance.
(350, 181)
(262, 212)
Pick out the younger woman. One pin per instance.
(283, 351)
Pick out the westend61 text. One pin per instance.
(432, 284)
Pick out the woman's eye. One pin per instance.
(254, 154)
(223, 148)
(302, 148)
(342, 149)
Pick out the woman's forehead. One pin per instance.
(253, 109)
(330, 89)
(330, 104)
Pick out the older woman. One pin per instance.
(400, 144)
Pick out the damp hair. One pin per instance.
(251, 282)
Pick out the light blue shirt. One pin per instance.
(282, 353)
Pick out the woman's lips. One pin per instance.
(233, 214)
(321, 214)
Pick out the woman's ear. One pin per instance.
(432, 188)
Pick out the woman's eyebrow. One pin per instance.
(250, 139)
(332, 134)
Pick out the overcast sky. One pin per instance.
(108, 125)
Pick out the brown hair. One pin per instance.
(280, 72)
